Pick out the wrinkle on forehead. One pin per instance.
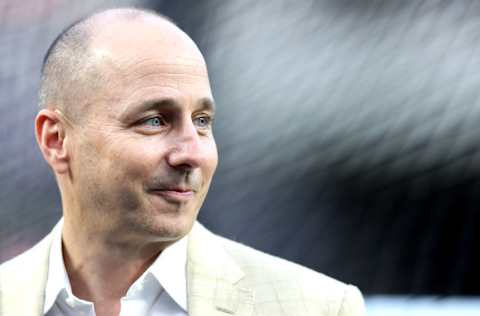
(127, 59)
(147, 67)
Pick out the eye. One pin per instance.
(156, 121)
(203, 121)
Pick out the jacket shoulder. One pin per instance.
(26, 259)
(23, 278)
(278, 280)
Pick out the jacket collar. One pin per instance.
(213, 278)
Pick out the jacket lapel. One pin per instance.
(23, 281)
(213, 278)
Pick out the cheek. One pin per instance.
(129, 164)
(118, 164)
(122, 177)
(128, 198)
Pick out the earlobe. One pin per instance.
(51, 138)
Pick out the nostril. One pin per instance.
(184, 167)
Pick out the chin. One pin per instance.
(165, 228)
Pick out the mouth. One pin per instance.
(174, 194)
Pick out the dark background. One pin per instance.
(347, 132)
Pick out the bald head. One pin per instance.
(81, 59)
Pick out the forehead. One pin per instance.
(150, 81)
(153, 64)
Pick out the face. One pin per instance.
(143, 156)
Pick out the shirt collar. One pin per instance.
(57, 280)
(169, 270)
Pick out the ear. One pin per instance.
(50, 134)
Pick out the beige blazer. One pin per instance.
(224, 278)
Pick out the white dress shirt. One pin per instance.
(160, 291)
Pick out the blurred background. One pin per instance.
(348, 134)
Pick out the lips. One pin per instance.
(174, 194)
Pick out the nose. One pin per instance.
(186, 152)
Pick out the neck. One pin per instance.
(99, 268)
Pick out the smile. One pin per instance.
(174, 195)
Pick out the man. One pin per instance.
(126, 126)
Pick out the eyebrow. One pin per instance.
(208, 104)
